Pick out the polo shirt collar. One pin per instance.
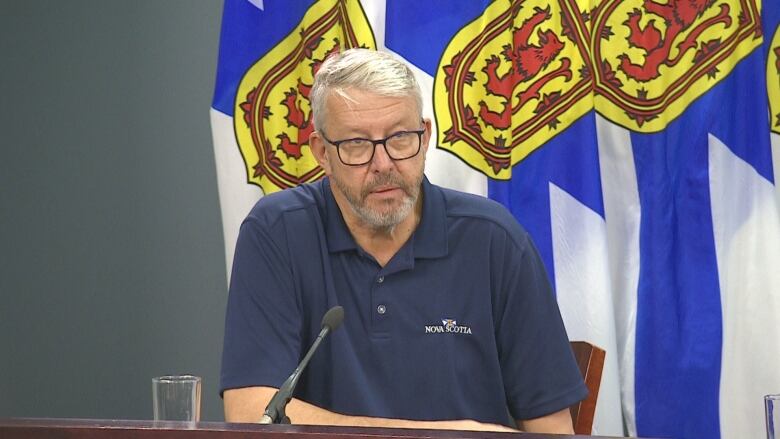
(429, 240)
(338, 236)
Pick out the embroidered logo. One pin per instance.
(447, 326)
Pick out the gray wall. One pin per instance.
(111, 254)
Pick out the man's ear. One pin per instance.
(317, 145)
(427, 136)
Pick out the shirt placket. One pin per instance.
(381, 311)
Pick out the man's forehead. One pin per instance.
(351, 103)
(351, 97)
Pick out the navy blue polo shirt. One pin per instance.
(460, 324)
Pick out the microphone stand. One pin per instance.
(275, 411)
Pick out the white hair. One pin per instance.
(366, 70)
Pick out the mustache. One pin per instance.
(388, 179)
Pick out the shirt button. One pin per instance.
(380, 280)
(381, 309)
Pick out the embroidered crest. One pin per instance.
(511, 80)
(272, 114)
(664, 55)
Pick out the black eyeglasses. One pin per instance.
(358, 152)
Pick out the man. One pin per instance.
(450, 321)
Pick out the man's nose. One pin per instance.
(381, 160)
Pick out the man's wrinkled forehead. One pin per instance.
(350, 97)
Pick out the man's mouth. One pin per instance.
(384, 189)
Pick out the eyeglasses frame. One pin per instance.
(382, 142)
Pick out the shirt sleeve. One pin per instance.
(539, 371)
(263, 320)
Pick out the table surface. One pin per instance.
(104, 428)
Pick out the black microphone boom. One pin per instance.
(274, 412)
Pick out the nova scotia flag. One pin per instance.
(632, 139)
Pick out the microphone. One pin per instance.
(274, 412)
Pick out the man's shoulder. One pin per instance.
(480, 209)
(272, 207)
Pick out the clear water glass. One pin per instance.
(176, 398)
(772, 414)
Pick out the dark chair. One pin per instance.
(590, 360)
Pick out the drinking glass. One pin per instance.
(772, 413)
(176, 398)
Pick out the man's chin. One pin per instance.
(386, 215)
(385, 208)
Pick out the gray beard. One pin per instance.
(386, 221)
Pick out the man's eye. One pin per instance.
(354, 143)
(404, 137)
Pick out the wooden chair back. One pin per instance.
(590, 360)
